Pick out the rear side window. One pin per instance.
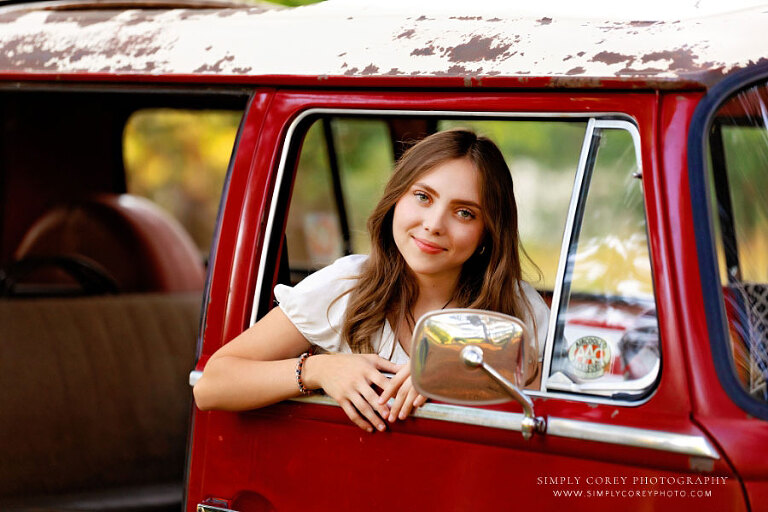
(578, 186)
(178, 160)
(738, 152)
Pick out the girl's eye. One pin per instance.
(465, 214)
(421, 197)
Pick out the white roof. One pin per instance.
(551, 43)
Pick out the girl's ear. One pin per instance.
(485, 244)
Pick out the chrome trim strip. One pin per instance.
(578, 183)
(694, 445)
(389, 113)
(445, 412)
(272, 210)
(629, 436)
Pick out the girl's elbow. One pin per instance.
(203, 399)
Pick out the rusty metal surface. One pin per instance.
(334, 39)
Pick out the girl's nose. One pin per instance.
(433, 221)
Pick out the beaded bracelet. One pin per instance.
(299, 368)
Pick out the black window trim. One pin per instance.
(712, 296)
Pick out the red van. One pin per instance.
(638, 147)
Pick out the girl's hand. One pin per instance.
(349, 379)
(406, 398)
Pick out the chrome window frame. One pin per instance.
(595, 388)
(595, 120)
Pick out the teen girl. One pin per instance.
(444, 235)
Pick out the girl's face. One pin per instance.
(437, 225)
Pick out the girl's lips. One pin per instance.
(427, 247)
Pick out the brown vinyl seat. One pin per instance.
(96, 401)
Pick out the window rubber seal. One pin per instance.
(704, 233)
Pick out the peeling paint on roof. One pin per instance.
(323, 41)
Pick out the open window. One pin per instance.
(738, 154)
(578, 183)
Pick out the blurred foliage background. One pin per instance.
(746, 152)
(179, 160)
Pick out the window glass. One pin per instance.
(542, 156)
(178, 159)
(739, 159)
(607, 335)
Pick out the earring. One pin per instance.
(482, 250)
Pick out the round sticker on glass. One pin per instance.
(589, 357)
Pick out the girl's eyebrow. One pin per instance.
(465, 202)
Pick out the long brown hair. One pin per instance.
(489, 279)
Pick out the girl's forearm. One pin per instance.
(233, 383)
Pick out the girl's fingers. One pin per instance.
(386, 365)
(388, 391)
(373, 399)
(353, 388)
(379, 379)
(394, 411)
(367, 411)
(420, 400)
(355, 416)
(394, 385)
(408, 404)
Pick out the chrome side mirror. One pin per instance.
(449, 346)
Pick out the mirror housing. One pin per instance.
(472, 357)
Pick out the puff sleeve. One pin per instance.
(312, 307)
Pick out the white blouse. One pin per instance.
(309, 306)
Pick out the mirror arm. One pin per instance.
(473, 357)
(530, 423)
(510, 388)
